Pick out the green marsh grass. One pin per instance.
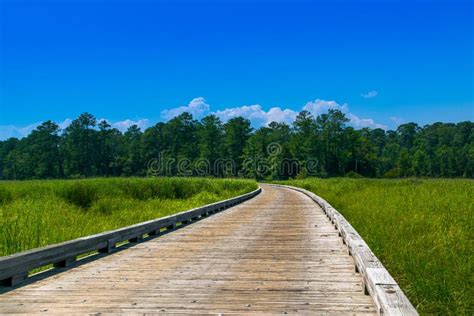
(42, 212)
(421, 230)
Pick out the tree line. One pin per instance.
(323, 146)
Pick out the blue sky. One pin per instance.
(382, 62)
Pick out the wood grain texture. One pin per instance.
(378, 283)
(277, 253)
(13, 268)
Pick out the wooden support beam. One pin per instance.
(14, 280)
(110, 247)
(67, 262)
(15, 267)
(136, 239)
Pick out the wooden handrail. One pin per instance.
(378, 283)
(14, 268)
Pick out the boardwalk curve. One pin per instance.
(277, 253)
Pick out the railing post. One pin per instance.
(12, 268)
(65, 263)
(136, 239)
(110, 246)
(154, 233)
(15, 279)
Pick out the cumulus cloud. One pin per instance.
(197, 107)
(64, 124)
(125, 124)
(279, 115)
(370, 94)
(260, 117)
(257, 115)
(358, 122)
(319, 106)
(7, 131)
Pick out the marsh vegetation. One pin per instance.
(421, 230)
(43, 212)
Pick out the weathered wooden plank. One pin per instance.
(392, 300)
(277, 253)
(61, 254)
(378, 282)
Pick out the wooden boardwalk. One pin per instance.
(275, 254)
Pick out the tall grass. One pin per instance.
(43, 212)
(421, 230)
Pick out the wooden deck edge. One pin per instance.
(378, 283)
(14, 268)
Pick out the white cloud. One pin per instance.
(279, 115)
(260, 117)
(120, 125)
(197, 107)
(125, 124)
(358, 122)
(257, 115)
(370, 94)
(64, 124)
(7, 131)
(319, 106)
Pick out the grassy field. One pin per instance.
(421, 230)
(43, 212)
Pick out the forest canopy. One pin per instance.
(323, 146)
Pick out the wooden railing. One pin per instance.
(14, 268)
(378, 283)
